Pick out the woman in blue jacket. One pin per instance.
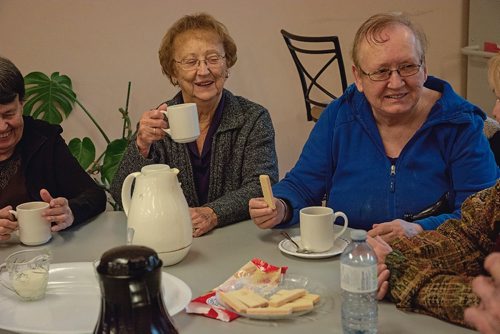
(392, 145)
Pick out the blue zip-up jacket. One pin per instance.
(345, 159)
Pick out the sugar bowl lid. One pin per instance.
(128, 261)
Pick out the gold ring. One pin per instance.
(154, 131)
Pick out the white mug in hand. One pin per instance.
(33, 228)
(183, 122)
(316, 228)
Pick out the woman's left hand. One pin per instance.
(204, 220)
(396, 228)
(58, 212)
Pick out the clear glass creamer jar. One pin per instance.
(131, 295)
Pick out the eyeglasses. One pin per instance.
(383, 74)
(212, 61)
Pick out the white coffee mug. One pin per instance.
(183, 122)
(33, 228)
(316, 228)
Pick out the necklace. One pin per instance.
(204, 128)
(8, 169)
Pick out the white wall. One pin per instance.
(104, 44)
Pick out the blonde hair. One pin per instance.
(494, 73)
(204, 22)
(372, 28)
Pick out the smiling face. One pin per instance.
(396, 95)
(11, 127)
(203, 84)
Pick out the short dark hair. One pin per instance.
(11, 82)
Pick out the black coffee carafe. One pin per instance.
(131, 302)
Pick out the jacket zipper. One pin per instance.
(393, 178)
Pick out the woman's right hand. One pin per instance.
(150, 129)
(382, 249)
(262, 215)
(7, 224)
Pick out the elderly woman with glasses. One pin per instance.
(219, 172)
(398, 152)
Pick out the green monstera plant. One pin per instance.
(53, 99)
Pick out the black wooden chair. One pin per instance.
(318, 87)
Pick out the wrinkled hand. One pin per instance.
(486, 316)
(262, 215)
(204, 220)
(58, 212)
(382, 249)
(150, 129)
(7, 223)
(396, 228)
(383, 280)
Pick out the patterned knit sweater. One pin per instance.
(431, 273)
(243, 148)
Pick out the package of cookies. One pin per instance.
(255, 275)
(282, 304)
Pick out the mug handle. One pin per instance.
(335, 216)
(167, 131)
(127, 191)
(14, 213)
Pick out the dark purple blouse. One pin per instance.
(201, 163)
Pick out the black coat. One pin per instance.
(48, 163)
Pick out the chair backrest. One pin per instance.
(329, 47)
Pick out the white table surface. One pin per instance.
(215, 257)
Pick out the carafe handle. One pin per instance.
(127, 191)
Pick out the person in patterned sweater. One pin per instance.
(432, 272)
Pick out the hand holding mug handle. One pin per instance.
(8, 223)
(168, 131)
(14, 213)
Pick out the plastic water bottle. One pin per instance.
(358, 281)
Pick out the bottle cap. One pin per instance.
(128, 261)
(358, 235)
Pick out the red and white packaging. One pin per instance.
(254, 274)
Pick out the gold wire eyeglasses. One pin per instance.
(211, 61)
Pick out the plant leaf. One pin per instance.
(112, 159)
(83, 151)
(51, 99)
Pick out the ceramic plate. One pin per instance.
(287, 247)
(290, 281)
(73, 300)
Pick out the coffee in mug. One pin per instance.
(33, 228)
(183, 122)
(316, 228)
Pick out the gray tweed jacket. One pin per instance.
(242, 149)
